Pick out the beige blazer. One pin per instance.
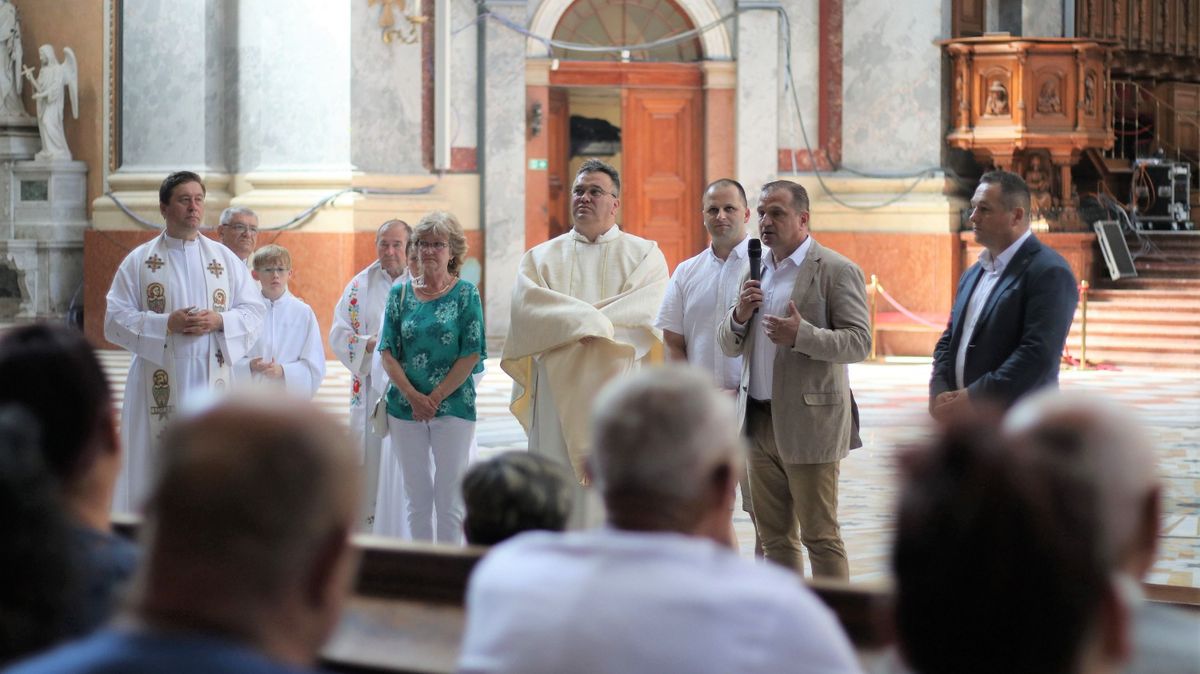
(813, 411)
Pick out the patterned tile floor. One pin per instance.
(892, 399)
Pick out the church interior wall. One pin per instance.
(42, 23)
(892, 80)
(385, 98)
(803, 17)
(294, 86)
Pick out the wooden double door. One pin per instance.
(662, 150)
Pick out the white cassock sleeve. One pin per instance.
(303, 375)
(142, 333)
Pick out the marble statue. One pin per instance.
(10, 62)
(48, 93)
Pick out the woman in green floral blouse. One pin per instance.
(432, 341)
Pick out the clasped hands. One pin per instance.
(781, 330)
(269, 369)
(424, 407)
(949, 405)
(193, 321)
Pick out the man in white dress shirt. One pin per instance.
(187, 309)
(356, 328)
(658, 590)
(703, 288)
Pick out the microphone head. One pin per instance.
(754, 252)
(754, 248)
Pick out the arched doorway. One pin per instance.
(641, 110)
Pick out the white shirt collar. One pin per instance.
(797, 256)
(612, 233)
(1001, 261)
(737, 253)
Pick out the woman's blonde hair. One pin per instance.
(444, 224)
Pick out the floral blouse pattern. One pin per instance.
(427, 337)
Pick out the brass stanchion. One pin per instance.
(1083, 299)
(874, 296)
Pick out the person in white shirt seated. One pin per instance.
(289, 350)
(659, 589)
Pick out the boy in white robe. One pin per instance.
(289, 351)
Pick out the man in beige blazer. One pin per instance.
(797, 329)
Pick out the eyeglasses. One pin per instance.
(432, 245)
(274, 270)
(592, 192)
(242, 229)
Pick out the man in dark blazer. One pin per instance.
(797, 329)
(1012, 310)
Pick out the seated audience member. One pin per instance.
(996, 564)
(289, 348)
(35, 598)
(52, 372)
(1105, 445)
(512, 493)
(247, 550)
(659, 589)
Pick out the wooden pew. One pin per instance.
(406, 614)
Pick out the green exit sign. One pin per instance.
(537, 164)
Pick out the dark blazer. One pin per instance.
(1019, 338)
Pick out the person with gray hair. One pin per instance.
(512, 493)
(238, 230)
(352, 338)
(1104, 444)
(247, 547)
(662, 589)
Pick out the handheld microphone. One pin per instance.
(754, 252)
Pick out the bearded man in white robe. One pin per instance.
(357, 324)
(187, 309)
(583, 312)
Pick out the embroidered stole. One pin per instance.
(155, 279)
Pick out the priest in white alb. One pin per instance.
(187, 309)
(583, 312)
(357, 322)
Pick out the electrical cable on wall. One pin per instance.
(789, 85)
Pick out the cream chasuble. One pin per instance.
(167, 371)
(567, 289)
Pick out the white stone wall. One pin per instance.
(293, 82)
(804, 17)
(174, 98)
(385, 97)
(892, 83)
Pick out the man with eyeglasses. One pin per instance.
(186, 308)
(583, 313)
(239, 231)
(357, 322)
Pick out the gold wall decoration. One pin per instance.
(406, 28)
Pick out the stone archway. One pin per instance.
(716, 43)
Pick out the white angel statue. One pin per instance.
(10, 62)
(48, 93)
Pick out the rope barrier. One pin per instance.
(907, 314)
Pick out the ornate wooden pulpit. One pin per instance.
(1031, 105)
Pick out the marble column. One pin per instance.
(757, 114)
(174, 102)
(502, 156)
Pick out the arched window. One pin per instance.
(614, 23)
